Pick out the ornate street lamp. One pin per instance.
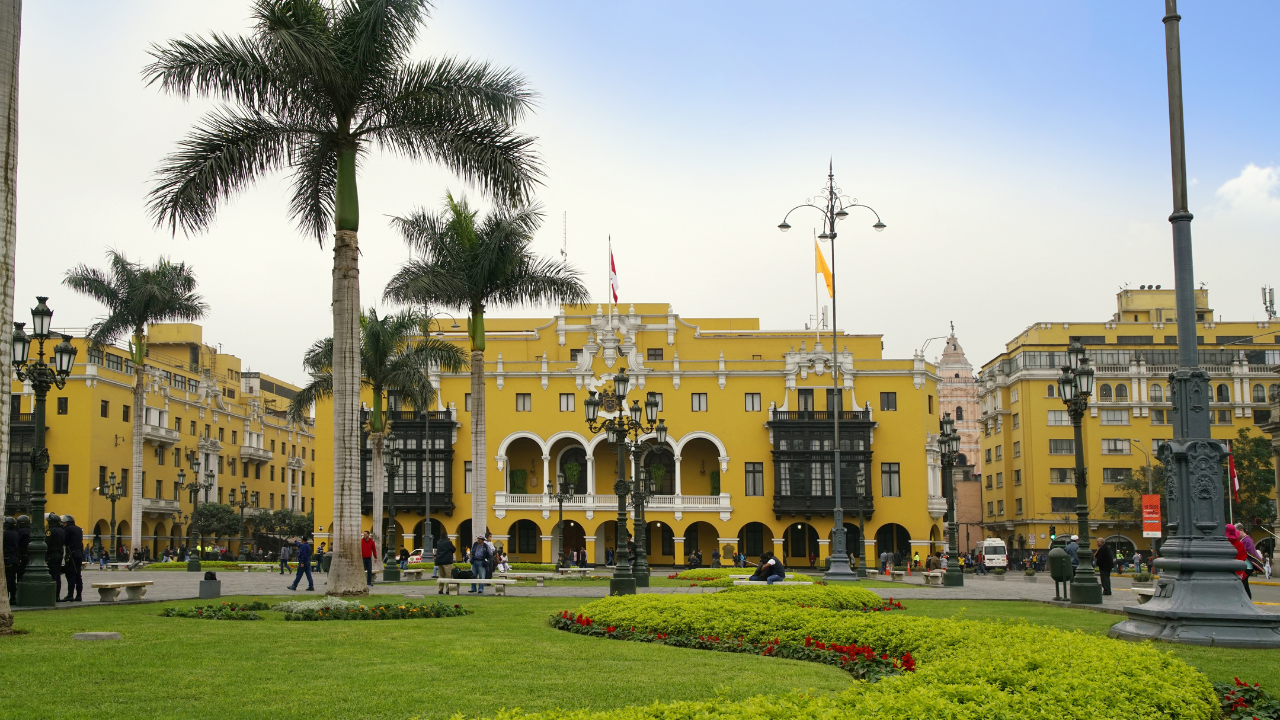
(391, 461)
(1075, 385)
(242, 503)
(565, 492)
(948, 446)
(834, 207)
(113, 491)
(620, 426)
(36, 588)
(193, 489)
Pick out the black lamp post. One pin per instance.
(565, 492)
(113, 492)
(618, 429)
(391, 461)
(1206, 604)
(36, 588)
(834, 207)
(193, 488)
(1075, 385)
(242, 503)
(948, 446)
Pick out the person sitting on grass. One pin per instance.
(770, 569)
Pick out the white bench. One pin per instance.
(572, 570)
(761, 582)
(415, 572)
(1144, 594)
(541, 578)
(451, 584)
(257, 566)
(109, 591)
(899, 575)
(933, 578)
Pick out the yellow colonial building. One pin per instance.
(749, 458)
(1028, 451)
(200, 402)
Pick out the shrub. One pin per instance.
(1243, 701)
(1142, 577)
(965, 670)
(324, 603)
(1029, 572)
(997, 571)
(381, 611)
(223, 611)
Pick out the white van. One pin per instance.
(994, 551)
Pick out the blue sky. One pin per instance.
(1018, 152)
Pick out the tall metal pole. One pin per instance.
(1085, 588)
(839, 569)
(638, 497)
(36, 589)
(954, 577)
(622, 583)
(1199, 599)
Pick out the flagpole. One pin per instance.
(817, 333)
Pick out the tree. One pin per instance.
(137, 297)
(1133, 487)
(1256, 470)
(391, 363)
(10, 35)
(215, 520)
(310, 91)
(469, 266)
(285, 523)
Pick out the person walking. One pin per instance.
(444, 559)
(367, 549)
(1250, 550)
(1233, 537)
(1105, 564)
(55, 546)
(303, 549)
(479, 564)
(1137, 561)
(284, 558)
(24, 545)
(1073, 551)
(73, 551)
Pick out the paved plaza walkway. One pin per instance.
(179, 585)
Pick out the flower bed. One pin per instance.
(381, 611)
(222, 611)
(1243, 701)
(964, 670)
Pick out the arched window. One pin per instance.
(962, 459)
(1224, 393)
(1259, 394)
(1157, 393)
(1051, 391)
(1122, 393)
(960, 411)
(1104, 393)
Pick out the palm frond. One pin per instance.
(231, 68)
(321, 386)
(374, 36)
(319, 357)
(459, 88)
(315, 183)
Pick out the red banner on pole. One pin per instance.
(1151, 516)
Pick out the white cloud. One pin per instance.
(1254, 188)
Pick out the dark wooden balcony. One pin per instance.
(821, 505)
(410, 502)
(819, 415)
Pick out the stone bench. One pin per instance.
(762, 582)
(1144, 594)
(571, 570)
(255, 566)
(933, 578)
(541, 578)
(451, 585)
(899, 575)
(109, 591)
(415, 572)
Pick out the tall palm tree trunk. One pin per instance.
(139, 417)
(479, 453)
(10, 36)
(378, 484)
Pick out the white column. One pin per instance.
(591, 476)
(548, 479)
(677, 460)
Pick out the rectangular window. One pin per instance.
(1115, 417)
(220, 435)
(1017, 506)
(1116, 475)
(989, 482)
(1224, 417)
(930, 404)
(206, 432)
(273, 475)
(257, 472)
(890, 480)
(62, 406)
(313, 482)
(1017, 477)
(699, 402)
(233, 438)
(114, 363)
(1115, 446)
(989, 508)
(105, 410)
(784, 478)
(999, 479)
(1017, 449)
(1159, 417)
(653, 355)
(193, 428)
(524, 402)
(988, 455)
(1013, 397)
(61, 479)
(752, 402)
(1016, 422)
(1062, 475)
(820, 479)
(999, 452)
(574, 354)
(755, 479)
(160, 489)
(1062, 505)
(805, 399)
(835, 400)
(1059, 417)
(124, 480)
(566, 402)
(102, 479)
(658, 397)
(466, 405)
(1117, 505)
(999, 507)
(272, 498)
(466, 477)
(888, 401)
(232, 468)
(219, 464)
(1062, 447)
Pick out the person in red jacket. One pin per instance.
(367, 550)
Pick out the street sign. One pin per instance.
(1151, 516)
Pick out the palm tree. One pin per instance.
(10, 32)
(309, 91)
(391, 363)
(137, 297)
(470, 267)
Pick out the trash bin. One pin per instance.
(325, 563)
(1060, 570)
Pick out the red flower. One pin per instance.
(610, 629)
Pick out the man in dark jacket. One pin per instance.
(1104, 562)
(73, 536)
(24, 544)
(55, 543)
(480, 556)
(444, 559)
(303, 550)
(11, 558)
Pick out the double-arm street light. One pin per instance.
(835, 206)
(623, 431)
(391, 461)
(113, 491)
(948, 447)
(36, 588)
(564, 492)
(1075, 385)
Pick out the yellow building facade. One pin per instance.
(749, 455)
(198, 401)
(1028, 483)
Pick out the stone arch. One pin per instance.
(437, 530)
(660, 547)
(755, 538)
(700, 535)
(696, 434)
(1119, 542)
(799, 541)
(506, 441)
(894, 538)
(524, 540)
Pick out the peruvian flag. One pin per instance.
(613, 275)
(1235, 478)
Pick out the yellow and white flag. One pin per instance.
(822, 268)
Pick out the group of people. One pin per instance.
(64, 552)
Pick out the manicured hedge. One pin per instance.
(515, 567)
(716, 573)
(966, 670)
(204, 565)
